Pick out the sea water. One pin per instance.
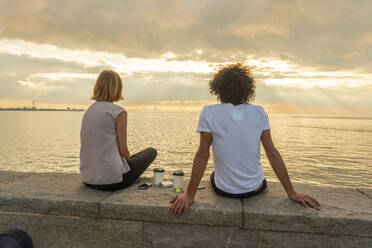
(318, 150)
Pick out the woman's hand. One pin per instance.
(306, 200)
(180, 204)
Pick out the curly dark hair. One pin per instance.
(233, 84)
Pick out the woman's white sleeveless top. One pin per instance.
(100, 160)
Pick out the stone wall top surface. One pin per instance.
(364, 191)
(343, 211)
(153, 204)
(53, 193)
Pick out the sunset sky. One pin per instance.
(310, 54)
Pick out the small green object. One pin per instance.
(178, 190)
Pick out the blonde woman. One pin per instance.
(105, 161)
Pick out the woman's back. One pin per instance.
(100, 160)
(236, 132)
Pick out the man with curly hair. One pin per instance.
(235, 128)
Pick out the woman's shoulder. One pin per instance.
(106, 108)
(117, 106)
(116, 109)
(108, 105)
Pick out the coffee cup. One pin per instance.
(178, 180)
(158, 176)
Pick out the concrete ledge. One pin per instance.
(59, 211)
(284, 240)
(366, 192)
(76, 232)
(48, 193)
(344, 211)
(181, 235)
(153, 205)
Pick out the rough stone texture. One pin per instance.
(46, 205)
(159, 235)
(309, 240)
(153, 205)
(343, 211)
(10, 176)
(53, 193)
(366, 192)
(74, 232)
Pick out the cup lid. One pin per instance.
(159, 170)
(178, 173)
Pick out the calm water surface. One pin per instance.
(321, 150)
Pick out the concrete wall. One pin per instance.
(57, 210)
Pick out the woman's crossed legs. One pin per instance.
(138, 163)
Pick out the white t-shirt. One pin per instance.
(100, 160)
(236, 134)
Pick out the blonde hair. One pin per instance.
(108, 87)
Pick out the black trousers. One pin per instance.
(138, 163)
(243, 195)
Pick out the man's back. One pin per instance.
(236, 132)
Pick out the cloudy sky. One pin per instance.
(315, 54)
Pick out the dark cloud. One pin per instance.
(14, 69)
(150, 87)
(140, 87)
(322, 35)
(331, 34)
(25, 65)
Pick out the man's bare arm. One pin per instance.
(200, 163)
(182, 202)
(276, 162)
(280, 170)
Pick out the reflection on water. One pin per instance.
(317, 149)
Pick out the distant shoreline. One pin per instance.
(22, 109)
